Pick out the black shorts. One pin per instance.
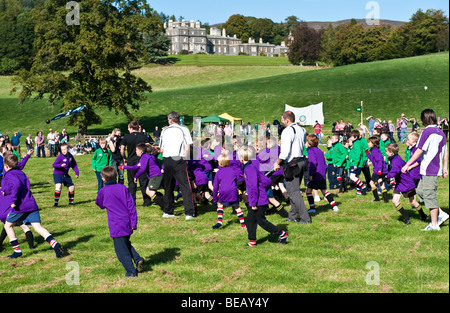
(317, 185)
(154, 183)
(276, 179)
(407, 194)
(241, 185)
(375, 177)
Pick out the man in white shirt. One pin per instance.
(175, 146)
(51, 137)
(293, 140)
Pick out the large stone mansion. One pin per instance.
(191, 37)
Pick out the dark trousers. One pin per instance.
(176, 171)
(258, 217)
(99, 180)
(126, 254)
(143, 183)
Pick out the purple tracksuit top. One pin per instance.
(70, 162)
(5, 202)
(16, 189)
(120, 208)
(267, 158)
(316, 164)
(257, 194)
(148, 164)
(198, 170)
(225, 185)
(403, 181)
(415, 172)
(377, 159)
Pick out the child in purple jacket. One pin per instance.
(404, 185)
(379, 168)
(63, 163)
(257, 198)
(411, 142)
(317, 173)
(225, 192)
(23, 207)
(148, 164)
(5, 208)
(122, 220)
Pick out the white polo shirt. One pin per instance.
(292, 142)
(174, 140)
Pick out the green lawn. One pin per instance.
(330, 255)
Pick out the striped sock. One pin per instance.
(57, 196)
(310, 197)
(251, 243)
(219, 214)
(55, 245)
(71, 196)
(330, 199)
(240, 216)
(16, 247)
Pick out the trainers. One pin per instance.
(189, 217)
(168, 215)
(442, 218)
(316, 199)
(431, 227)
(335, 208)
(311, 211)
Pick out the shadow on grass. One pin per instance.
(165, 256)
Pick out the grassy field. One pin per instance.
(259, 93)
(330, 255)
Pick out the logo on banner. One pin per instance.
(302, 119)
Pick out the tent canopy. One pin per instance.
(214, 119)
(230, 118)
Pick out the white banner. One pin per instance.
(308, 115)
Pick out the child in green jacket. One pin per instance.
(339, 155)
(102, 157)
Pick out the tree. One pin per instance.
(306, 44)
(16, 36)
(237, 25)
(157, 47)
(97, 56)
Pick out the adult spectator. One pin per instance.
(175, 146)
(403, 128)
(371, 121)
(15, 141)
(157, 135)
(40, 144)
(293, 140)
(64, 135)
(318, 131)
(130, 141)
(415, 125)
(114, 144)
(51, 139)
(29, 142)
(87, 147)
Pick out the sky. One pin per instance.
(218, 11)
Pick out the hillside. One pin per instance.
(388, 88)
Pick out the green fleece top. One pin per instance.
(339, 154)
(100, 159)
(355, 155)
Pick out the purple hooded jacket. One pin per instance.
(257, 194)
(120, 208)
(148, 164)
(16, 190)
(69, 162)
(225, 185)
(403, 181)
(317, 164)
(377, 159)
